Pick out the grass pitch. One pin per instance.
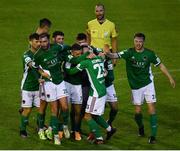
(159, 20)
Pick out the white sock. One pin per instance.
(109, 128)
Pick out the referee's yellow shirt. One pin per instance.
(101, 33)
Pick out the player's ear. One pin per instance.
(30, 42)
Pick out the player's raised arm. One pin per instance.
(109, 54)
(165, 71)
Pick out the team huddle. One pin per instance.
(81, 77)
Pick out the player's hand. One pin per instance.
(46, 75)
(173, 83)
(41, 81)
(91, 55)
(101, 54)
(106, 48)
(114, 61)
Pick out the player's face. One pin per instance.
(44, 42)
(83, 41)
(76, 53)
(59, 39)
(138, 43)
(35, 44)
(99, 11)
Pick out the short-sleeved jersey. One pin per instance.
(95, 70)
(50, 60)
(138, 66)
(30, 79)
(101, 33)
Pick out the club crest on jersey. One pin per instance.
(144, 58)
(106, 34)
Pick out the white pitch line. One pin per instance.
(155, 73)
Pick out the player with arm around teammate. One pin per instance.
(97, 96)
(138, 67)
(30, 83)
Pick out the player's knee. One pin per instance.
(26, 111)
(87, 116)
(65, 108)
(137, 109)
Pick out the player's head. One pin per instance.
(34, 41)
(44, 40)
(76, 50)
(99, 11)
(139, 39)
(58, 37)
(45, 24)
(81, 38)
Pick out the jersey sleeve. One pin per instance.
(114, 31)
(155, 59)
(27, 59)
(82, 65)
(124, 54)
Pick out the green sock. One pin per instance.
(60, 126)
(138, 118)
(100, 120)
(40, 120)
(94, 128)
(65, 116)
(153, 123)
(54, 121)
(24, 122)
(112, 115)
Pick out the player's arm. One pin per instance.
(37, 70)
(114, 42)
(76, 60)
(157, 62)
(76, 69)
(114, 48)
(109, 54)
(88, 35)
(166, 73)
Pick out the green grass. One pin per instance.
(159, 20)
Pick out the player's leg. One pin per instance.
(94, 128)
(42, 109)
(26, 104)
(85, 95)
(138, 98)
(112, 100)
(41, 114)
(150, 97)
(97, 112)
(76, 100)
(63, 106)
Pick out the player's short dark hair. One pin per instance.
(44, 35)
(57, 33)
(100, 4)
(81, 36)
(139, 35)
(45, 22)
(34, 36)
(76, 47)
